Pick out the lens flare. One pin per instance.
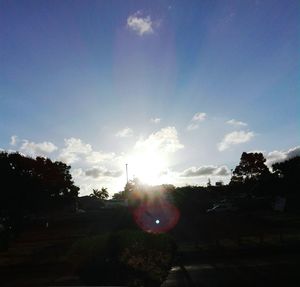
(156, 217)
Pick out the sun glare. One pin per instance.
(148, 166)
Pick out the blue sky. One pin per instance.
(176, 89)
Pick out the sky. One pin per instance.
(175, 89)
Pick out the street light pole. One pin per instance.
(127, 172)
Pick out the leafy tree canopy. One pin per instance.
(251, 167)
(32, 185)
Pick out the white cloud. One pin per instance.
(37, 149)
(236, 123)
(124, 133)
(155, 120)
(206, 170)
(199, 117)
(75, 149)
(91, 168)
(97, 172)
(192, 126)
(140, 25)
(293, 152)
(279, 156)
(13, 140)
(234, 138)
(76, 172)
(165, 140)
(74, 145)
(275, 156)
(96, 156)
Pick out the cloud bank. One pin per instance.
(279, 156)
(206, 170)
(75, 149)
(37, 149)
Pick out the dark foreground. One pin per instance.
(277, 268)
(39, 257)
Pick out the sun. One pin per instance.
(148, 166)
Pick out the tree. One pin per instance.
(118, 195)
(250, 169)
(288, 174)
(100, 194)
(288, 169)
(31, 186)
(34, 184)
(132, 189)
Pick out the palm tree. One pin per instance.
(100, 194)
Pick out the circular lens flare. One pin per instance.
(156, 217)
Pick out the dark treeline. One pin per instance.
(250, 179)
(40, 186)
(33, 186)
(253, 191)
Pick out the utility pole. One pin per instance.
(127, 172)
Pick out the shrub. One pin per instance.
(134, 258)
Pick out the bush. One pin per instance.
(134, 258)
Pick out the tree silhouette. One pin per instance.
(31, 185)
(288, 169)
(100, 194)
(288, 174)
(132, 189)
(251, 168)
(118, 195)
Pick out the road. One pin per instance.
(272, 270)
